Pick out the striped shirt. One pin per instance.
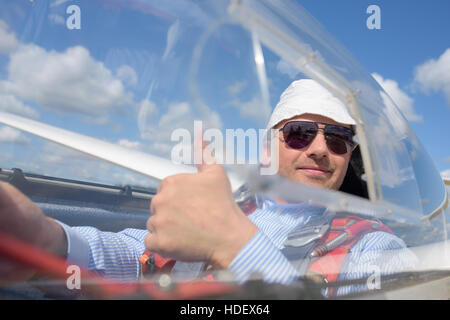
(116, 255)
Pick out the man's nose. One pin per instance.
(318, 147)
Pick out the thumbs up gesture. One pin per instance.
(194, 217)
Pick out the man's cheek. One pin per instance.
(336, 180)
(286, 172)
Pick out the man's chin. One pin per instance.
(316, 181)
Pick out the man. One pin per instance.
(196, 221)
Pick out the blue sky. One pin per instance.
(125, 45)
(412, 33)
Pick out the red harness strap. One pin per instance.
(153, 263)
(332, 249)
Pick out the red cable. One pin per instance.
(53, 266)
(101, 287)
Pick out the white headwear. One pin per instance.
(308, 96)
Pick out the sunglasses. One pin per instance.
(300, 134)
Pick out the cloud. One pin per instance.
(52, 160)
(434, 75)
(8, 40)
(380, 132)
(127, 75)
(10, 135)
(236, 87)
(157, 133)
(57, 19)
(285, 67)
(147, 111)
(172, 38)
(253, 109)
(58, 2)
(445, 174)
(10, 103)
(129, 144)
(404, 102)
(68, 82)
(71, 81)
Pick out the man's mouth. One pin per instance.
(315, 170)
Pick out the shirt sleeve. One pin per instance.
(259, 257)
(113, 254)
(375, 255)
(375, 252)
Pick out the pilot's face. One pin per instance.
(314, 164)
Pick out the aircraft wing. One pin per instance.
(149, 165)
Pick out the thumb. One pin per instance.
(203, 154)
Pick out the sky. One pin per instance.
(409, 56)
(99, 77)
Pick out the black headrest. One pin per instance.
(353, 183)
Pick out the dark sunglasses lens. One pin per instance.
(339, 139)
(298, 135)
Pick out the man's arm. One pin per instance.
(375, 255)
(22, 219)
(262, 258)
(113, 254)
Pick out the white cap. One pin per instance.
(308, 96)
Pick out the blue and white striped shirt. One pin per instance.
(116, 255)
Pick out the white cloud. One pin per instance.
(129, 144)
(446, 174)
(285, 67)
(10, 103)
(127, 75)
(11, 135)
(172, 37)
(404, 102)
(254, 109)
(52, 160)
(237, 87)
(71, 81)
(157, 133)
(8, 40)
(162, 148)
(57, 19)
(55, 154)
(147, 111)
(58, 2)
(175, 115)
(434, 75)
(386, 149)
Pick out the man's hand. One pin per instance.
(21, 218)
(195, 218)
